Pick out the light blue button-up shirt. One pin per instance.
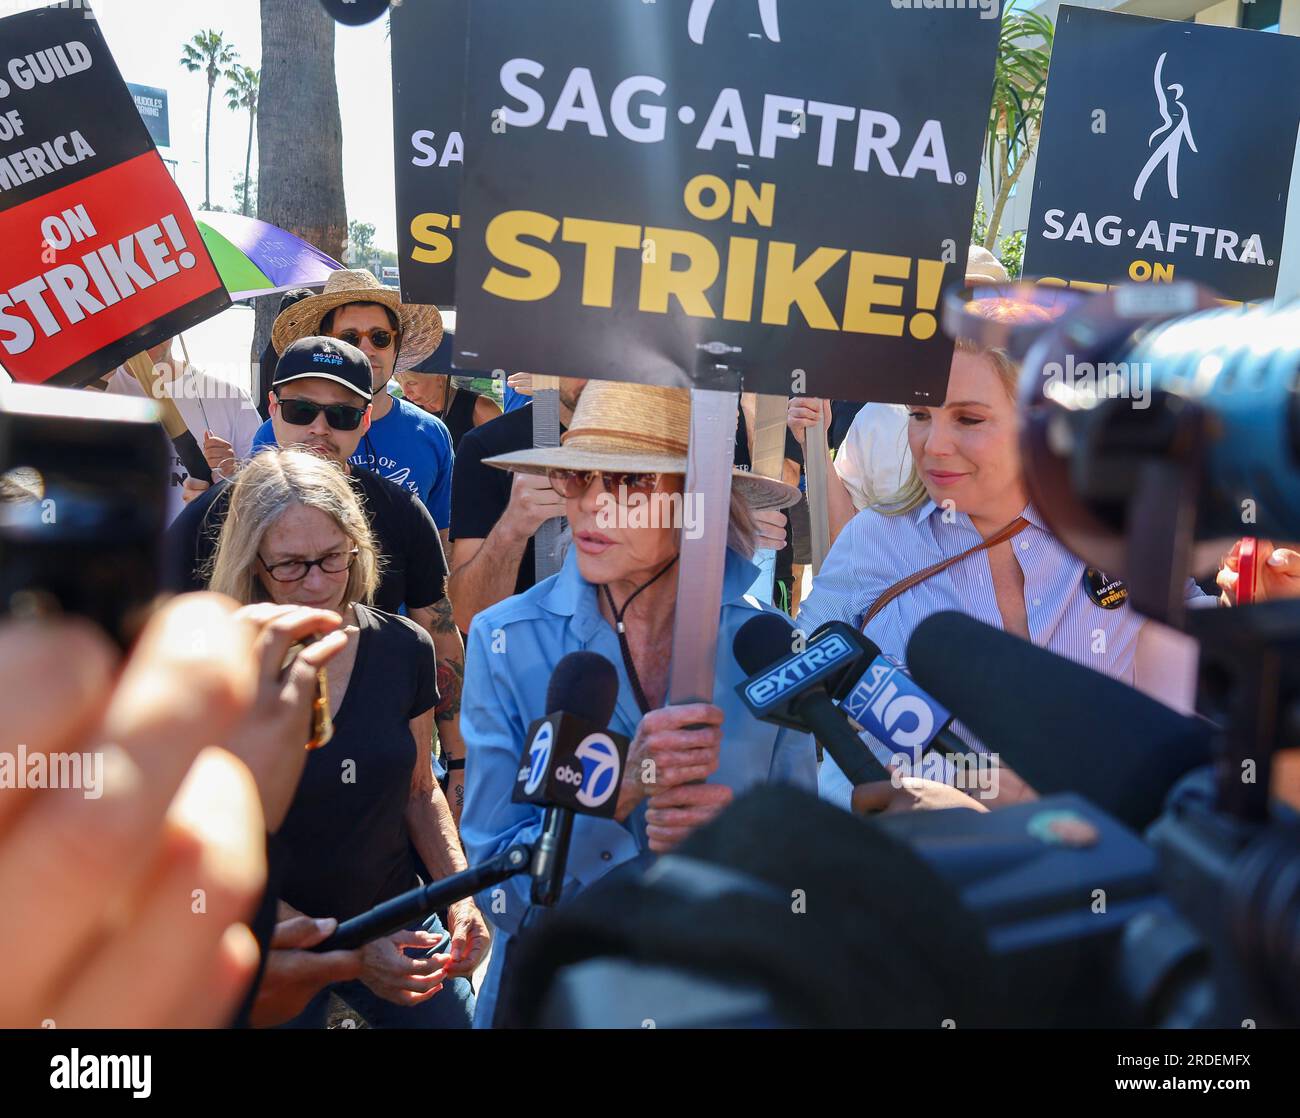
(875, 551)
(513, 648)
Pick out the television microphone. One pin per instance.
(571, 762)
(1059, 725)
(886, 702)
(792, 688)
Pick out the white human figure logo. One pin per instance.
(698, 20)
(1172, 145)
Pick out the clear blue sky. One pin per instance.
(145, 37)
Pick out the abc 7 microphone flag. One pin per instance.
(1149, 170)
(568, 762)
(650, 190)
(101, 256)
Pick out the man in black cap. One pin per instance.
(322, 401)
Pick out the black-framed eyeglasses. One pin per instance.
(572, 484)
(303, 413)
(379, 337)
(295, 570)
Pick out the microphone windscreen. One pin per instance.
(583, 684)
(761, 641)
(870, 650)
(1059, 725)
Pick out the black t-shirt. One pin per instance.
(413, 570)
(460, 416)
(347, 840)
(479, 493)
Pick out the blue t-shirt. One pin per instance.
(408, 446)
(513, 399)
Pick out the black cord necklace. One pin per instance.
(621, 630)
(447, 400)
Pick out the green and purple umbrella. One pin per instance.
(256, 258)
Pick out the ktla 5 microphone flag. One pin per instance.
(429, 41)
(780, 187)
(101, 256)
(1166, 154)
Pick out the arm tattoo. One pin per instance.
(451, 674)
(442, 618)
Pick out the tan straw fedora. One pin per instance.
(635, 428)
(421, 326)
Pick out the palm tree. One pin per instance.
(209, 51)
(299, 136)
(242, 94)
(1016, 115)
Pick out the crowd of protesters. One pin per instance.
(386, 540)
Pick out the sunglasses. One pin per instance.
(379, 338)
(303, 413)
(295, 570)
(572, 484)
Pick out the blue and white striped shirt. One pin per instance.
(875, 551)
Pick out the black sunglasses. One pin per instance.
(303, 413)
(379, 338)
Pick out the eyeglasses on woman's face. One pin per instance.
(572, 484)
(295, 570)
(303, 413)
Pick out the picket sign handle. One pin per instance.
(818, 509)
(709, 458)
(187, 446)
(546, 433)
(767, 457)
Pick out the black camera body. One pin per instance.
(83, 506)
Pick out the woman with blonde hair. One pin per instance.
(963, 520)
(367, 803)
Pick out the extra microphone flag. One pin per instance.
(773, 686)
(795, 690)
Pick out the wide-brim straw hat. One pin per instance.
(982, 267)
(421, 326)
(636, 428)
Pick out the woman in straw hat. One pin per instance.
(621, 470)
(404, 444)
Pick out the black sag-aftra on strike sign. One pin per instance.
(1166, 153)
(428, 98)
(654, 189)
(100, 257)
